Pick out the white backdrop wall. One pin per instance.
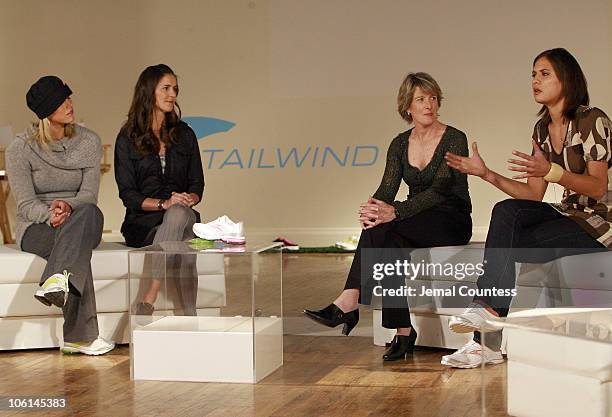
(300, 80)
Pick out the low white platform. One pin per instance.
(560, 364)
(207, 349)
(535, 391)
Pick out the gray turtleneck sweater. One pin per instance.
(68, 169)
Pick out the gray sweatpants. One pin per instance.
(68, 247)
(181, 269)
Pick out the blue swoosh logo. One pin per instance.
(206, 126)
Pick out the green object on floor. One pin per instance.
(199, 244)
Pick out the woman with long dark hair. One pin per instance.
(158, 170)
(571, 147)
(54, 171)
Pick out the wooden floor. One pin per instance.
(321, 376)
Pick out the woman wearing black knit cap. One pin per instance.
(54, 171)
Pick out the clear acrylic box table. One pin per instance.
(217, 314)
(559, 364)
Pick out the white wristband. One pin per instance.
(555, 173)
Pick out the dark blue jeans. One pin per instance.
(517, 226)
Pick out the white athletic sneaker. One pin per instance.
(473, 319)
(222, 228)
(97, 347)
(54, 290)
(471, 356)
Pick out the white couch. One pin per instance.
(25, 323)
(571, 281)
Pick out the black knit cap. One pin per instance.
(46, 95)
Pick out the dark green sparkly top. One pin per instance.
(437, 185)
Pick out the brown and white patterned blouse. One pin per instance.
(587, 139)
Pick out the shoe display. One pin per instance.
(401, 347)
(54, 291)
(473, 319)
(232, 248)
(331, 316)
(471, 356)
(95, 348)
(222, 228)
(349, 243)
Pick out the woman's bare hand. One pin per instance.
(471, 165)
(535, 165)
(375, 212)
(60, 211)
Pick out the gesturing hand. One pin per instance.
(375, 212)
(535, 165)
(471, 165)
(60, 211)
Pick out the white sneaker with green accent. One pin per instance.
(471, 356)
(222, 228)
(54, 290)
(97, 347)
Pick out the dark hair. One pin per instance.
(573, 81)
(140, 116)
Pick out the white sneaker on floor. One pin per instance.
(473, 319)
(97, 347)
(222, 228)
(471, 356)
(54, 290)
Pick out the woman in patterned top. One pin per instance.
(571, 147)
(436, 212)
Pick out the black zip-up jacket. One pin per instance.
(140, 176)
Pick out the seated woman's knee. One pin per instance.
(179, 213)
(90, 209)
(505, 207)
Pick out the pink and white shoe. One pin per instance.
(222, 228)
(471, 356)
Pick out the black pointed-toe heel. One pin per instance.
(401, 347)
(332, 316)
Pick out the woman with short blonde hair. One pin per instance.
(414, 80)
(435, 213)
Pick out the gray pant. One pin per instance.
(176, 226)
(68, 247)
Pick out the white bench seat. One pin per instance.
(26, 323)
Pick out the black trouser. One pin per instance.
(68, 247)
(523, 224)
(429, 228)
